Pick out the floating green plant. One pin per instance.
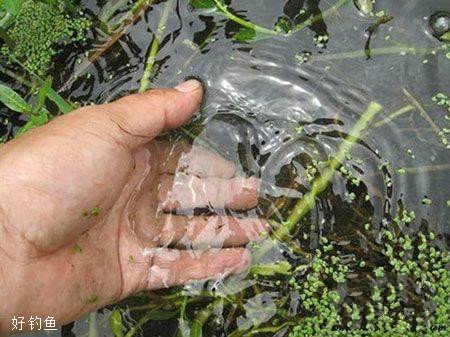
(37, 29)
(378, 278)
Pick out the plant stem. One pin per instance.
(19, 78)
(116, 6)
(319, 17)
(305, 204)
(205, 313)
(422, 111)
(64, 105)
(428, 168)
(376, 51)
(308, 201)
(223, 9)
(94, 55)
(147, 317)
(394, 115)
(155, 45)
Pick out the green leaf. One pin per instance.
(116, 323)
(13, 100)
(196, 330)
(63, 105)
(5, 19)
(245, 35)
(42, 95)
(35, 121)
(202, 4)
(271, 269)
(13, 6)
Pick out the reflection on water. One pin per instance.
(280, 119)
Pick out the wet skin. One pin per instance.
(88, 208)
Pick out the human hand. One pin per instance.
(88, 208)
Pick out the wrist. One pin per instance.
(6, 298)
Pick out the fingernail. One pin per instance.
(188, 86)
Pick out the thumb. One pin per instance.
(141, 117)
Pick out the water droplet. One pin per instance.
(440, 23)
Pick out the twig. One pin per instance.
(419, 107)
(138, 9)
(155, 45)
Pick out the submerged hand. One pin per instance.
(90, 208)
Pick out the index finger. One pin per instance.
(192, 160)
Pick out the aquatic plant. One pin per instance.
(386, 313)
(35, 31)
(324, 282)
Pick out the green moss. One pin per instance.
(37, 31)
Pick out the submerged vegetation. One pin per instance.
(361, 274)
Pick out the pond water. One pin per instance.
(278, 107)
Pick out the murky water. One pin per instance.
(277, 106)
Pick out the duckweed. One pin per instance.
(426, 279)
(40, 27)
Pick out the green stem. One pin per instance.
(93, 55)
(205, 313)
(224, 10)
(261, 331)
(319, 17)
(147, 317)
(428, 168)
(19, 78)
(305, 204)
(62, 104)
(377, 51)
(394, 115)
(308, 201)
(114, 8)
(155, 45)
